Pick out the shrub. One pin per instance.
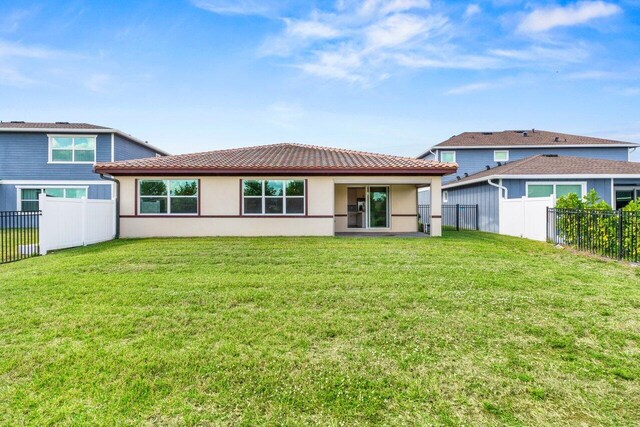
(592, 224)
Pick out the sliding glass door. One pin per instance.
(378, 207)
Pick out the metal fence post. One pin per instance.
(477, 217)
(620, 235)
(457, 217)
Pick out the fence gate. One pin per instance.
(19, 235)
(454, 217)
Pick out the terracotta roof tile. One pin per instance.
(516, 138)
(545, 164)
(276, 158)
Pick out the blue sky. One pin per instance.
(393, 76)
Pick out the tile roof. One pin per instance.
(545, 164)
(279, 158)
(516, 138)
(56, 125)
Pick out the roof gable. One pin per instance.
(284, 158)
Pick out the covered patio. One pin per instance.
(384, 205)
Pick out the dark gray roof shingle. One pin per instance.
(544, 164)
(42, 125)
(516, 138)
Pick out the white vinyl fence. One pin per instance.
(525, 217)
(66, 223)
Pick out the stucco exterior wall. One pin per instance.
(220, 208)
(220, 212)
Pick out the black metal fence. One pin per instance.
(456, 217)
(613, 234)
(19, 235)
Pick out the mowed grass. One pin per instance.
(470, 329)
(12, 238)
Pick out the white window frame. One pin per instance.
(583, 184)
(42, 188)
(73, 149)
(500, 151)
(169, 197)
(284, 197)
(448, 152)
(445, 196)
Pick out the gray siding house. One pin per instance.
(58, 159)
(515, 164)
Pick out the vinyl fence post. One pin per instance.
(84, 221)
(457, 217)
(548, 221)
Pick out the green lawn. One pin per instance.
(12, 238)
(470, 329)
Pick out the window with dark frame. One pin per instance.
(273, 197)
(168, 196)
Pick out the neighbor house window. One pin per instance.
(501, 156)
(557, 189)
(168, 196)
(448, 156)
(273, 197)
(29, 196)
(72, 149)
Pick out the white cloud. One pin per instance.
(545, 19)
(237, 7)
(366, 41)
(399, 29)
(12, 77)
(544, 54)
(311, 29)
(472, 87)
(18, 50)
(453, 61)
(471, 10)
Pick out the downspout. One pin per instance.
(112, 179)
(631, 150)
(501, 187)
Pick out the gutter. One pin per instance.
(112, 179)
(500, 187)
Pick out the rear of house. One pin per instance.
(58, 159)
(489, 154)
(544, 176)
(281, 189)
(477, 151)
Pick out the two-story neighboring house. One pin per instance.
(58, 159)
(533, 163)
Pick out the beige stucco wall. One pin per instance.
(220, 208)
(403, 209)
(220, 200)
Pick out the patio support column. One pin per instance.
(436, 206)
